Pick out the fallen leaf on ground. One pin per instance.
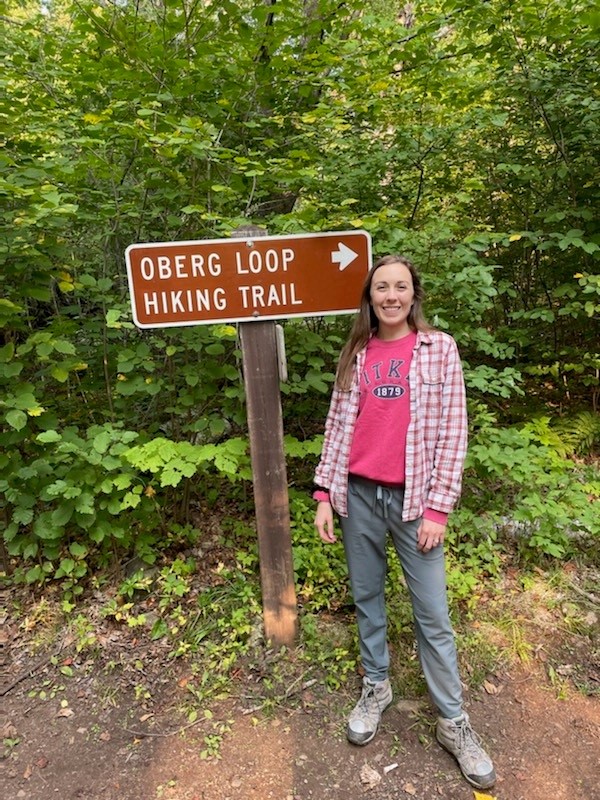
(409, 788)
(9, 731)
(491, 688)
(480, 796)
(105, 736)
(369, 776)
(565, 669)
(65, 712)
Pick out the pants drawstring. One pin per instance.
(383, 496)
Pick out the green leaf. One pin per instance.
(49, 437)
(44, 528)
(102, 442)
(44, 349)
(215, 349)
(22, 516)
(62, 514)
(67, 565)
(30, 550)
(60, 374)
(122, 481)
(7, 352)
(11, 370)
(159, 629)
(113, 316)
(64, 346)
(130, 500)
(78, 550)
(16, 419)
(34, 574)
(85, 503)
(10, 532)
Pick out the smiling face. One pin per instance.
(392, 296)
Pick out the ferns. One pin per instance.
(577, 435)
(580, 433)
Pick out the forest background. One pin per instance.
(464, 135)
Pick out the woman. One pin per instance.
(392, 461)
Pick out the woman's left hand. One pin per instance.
(430, 535)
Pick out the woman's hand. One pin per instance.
(430, 535)
(324, 522)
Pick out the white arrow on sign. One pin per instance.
(343, 256)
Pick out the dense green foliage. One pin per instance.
(464, 135)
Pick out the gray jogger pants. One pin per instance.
(373, 510)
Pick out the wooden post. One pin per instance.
(269, 474)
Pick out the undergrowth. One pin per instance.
(206, 618)
(527, 511)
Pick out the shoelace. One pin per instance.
(368, 696)
(468, 739)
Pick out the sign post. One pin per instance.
(269, 474)
(254, 279)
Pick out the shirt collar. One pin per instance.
(424, 337)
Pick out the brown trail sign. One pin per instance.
(253, 278)
(247, 278)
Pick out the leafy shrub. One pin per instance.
(71, 496)
(521, 477)
(319, 569)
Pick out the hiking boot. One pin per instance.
(364, 719)
(460, 740)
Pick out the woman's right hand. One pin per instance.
(324, 522)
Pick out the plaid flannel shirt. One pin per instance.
(436, 442)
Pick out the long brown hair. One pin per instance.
(366, 323)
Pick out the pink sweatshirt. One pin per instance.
(384, 416)
(379, 441)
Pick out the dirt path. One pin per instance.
(82, 739)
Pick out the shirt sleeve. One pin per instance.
(451, 447)
(435, 516)
(330, 451)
